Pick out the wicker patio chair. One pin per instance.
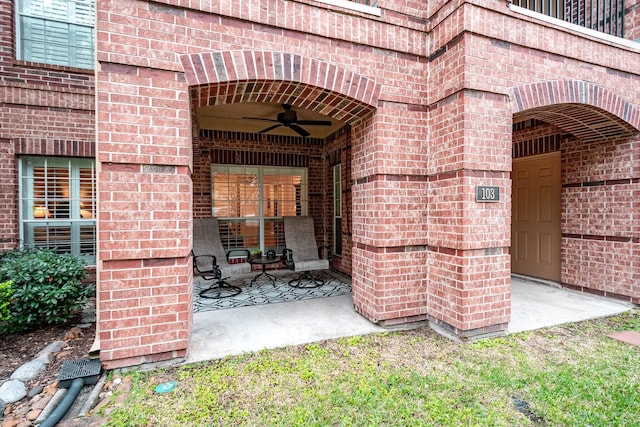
(302, 253)
(211, 261)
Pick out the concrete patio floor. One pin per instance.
(221, 333)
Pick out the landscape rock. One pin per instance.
(15, 410)
(12, 391)
(21, 409)
(40, 403)
(35, 391)
(52, 387)
(47, 352)
(29, 370)
(33, 414)
(11, 422)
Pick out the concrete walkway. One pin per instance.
(235, 331)
(535, 305)
(221, 333)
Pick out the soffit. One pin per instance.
(585, 122)
(252, 117)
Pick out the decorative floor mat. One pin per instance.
(265, 292)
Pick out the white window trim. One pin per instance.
(371, 10)
(72, 222)
(259, 172)
(337, 199)
(18, 38)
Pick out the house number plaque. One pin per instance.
(486, 193)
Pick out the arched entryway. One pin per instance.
(573, 174)
(239, 103)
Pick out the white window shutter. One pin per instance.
(33, 39)
(82, 13)
(57, 43)
(81, 50)
(57, 32)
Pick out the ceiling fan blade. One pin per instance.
(260, 118)
(270, 128)
(314, 122)
(299, 130)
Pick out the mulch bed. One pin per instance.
(17, 349)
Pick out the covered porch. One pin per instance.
(220, 333)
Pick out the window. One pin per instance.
(57, 203)
(250, 201)
(337, 209)
(58, 32)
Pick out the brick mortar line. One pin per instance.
(602, 183)
(47, 87)
(601, 237)
(441, 176)
(430, 248)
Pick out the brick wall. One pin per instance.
(473, 61)
(44, 110)
(601, 217)
(468, 256)
(632, 20)
(249, 149)
(430, 94)
(144, 204)
(180, 31)
(8, 196)
(599, 247)
(140, 318)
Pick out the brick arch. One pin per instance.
(265, 76)
(588, 111)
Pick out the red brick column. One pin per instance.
(145, 280)
(389, 214)
(468, 262)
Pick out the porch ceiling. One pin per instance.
(585, 122)
(245, 117)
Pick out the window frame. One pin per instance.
(337, 209)
(78, 216)
(260, 172)
(77, 28)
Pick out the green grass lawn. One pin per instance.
(572, 375)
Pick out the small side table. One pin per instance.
(263, 261)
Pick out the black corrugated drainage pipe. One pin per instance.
(68, 399)
(73, 376)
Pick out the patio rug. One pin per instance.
(264, 292)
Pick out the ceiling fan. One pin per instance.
(289, 118)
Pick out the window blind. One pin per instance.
(57, 32)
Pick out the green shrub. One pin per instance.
(6, 293)
(47, 287)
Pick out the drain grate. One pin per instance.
(87, 369)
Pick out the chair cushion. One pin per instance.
(206, 241)
(234, 269)
(206, 238)
(310, 265)
(300, 237)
